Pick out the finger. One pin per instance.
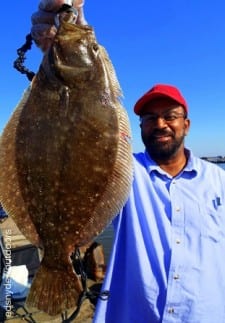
(53, 5)
(78, 3)
(43, 17)
(81, 18)
(43, 35)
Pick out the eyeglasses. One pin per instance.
(169, 117)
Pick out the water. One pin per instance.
(222, 165)
(106, 238)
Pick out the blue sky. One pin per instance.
(180, 42)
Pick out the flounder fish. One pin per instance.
(65, 160)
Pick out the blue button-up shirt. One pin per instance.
(168, 259)
(2, 213)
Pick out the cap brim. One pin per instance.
(147, 98)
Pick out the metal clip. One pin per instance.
(66, 12)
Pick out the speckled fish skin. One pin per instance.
(66, 161)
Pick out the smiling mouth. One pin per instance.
(161, 136)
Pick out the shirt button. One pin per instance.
(178, 209)
(178, 241)
(170, 310)
(176, 276)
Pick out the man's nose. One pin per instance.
(160, 122)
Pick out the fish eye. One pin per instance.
(95, 47)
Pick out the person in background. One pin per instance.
(167, 262)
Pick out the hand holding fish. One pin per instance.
(55, 5)
(44, 26)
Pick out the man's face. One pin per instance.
(163, 128)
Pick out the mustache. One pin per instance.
(157, 133)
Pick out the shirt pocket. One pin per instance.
(213, 224)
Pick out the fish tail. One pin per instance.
(54, 290)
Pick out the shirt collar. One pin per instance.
(191, 166)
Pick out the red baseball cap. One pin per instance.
(160, 91)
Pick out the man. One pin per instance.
(167, 262)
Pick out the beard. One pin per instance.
(162, 150)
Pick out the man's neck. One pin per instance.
(175, 164)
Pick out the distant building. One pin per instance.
(216, 159)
